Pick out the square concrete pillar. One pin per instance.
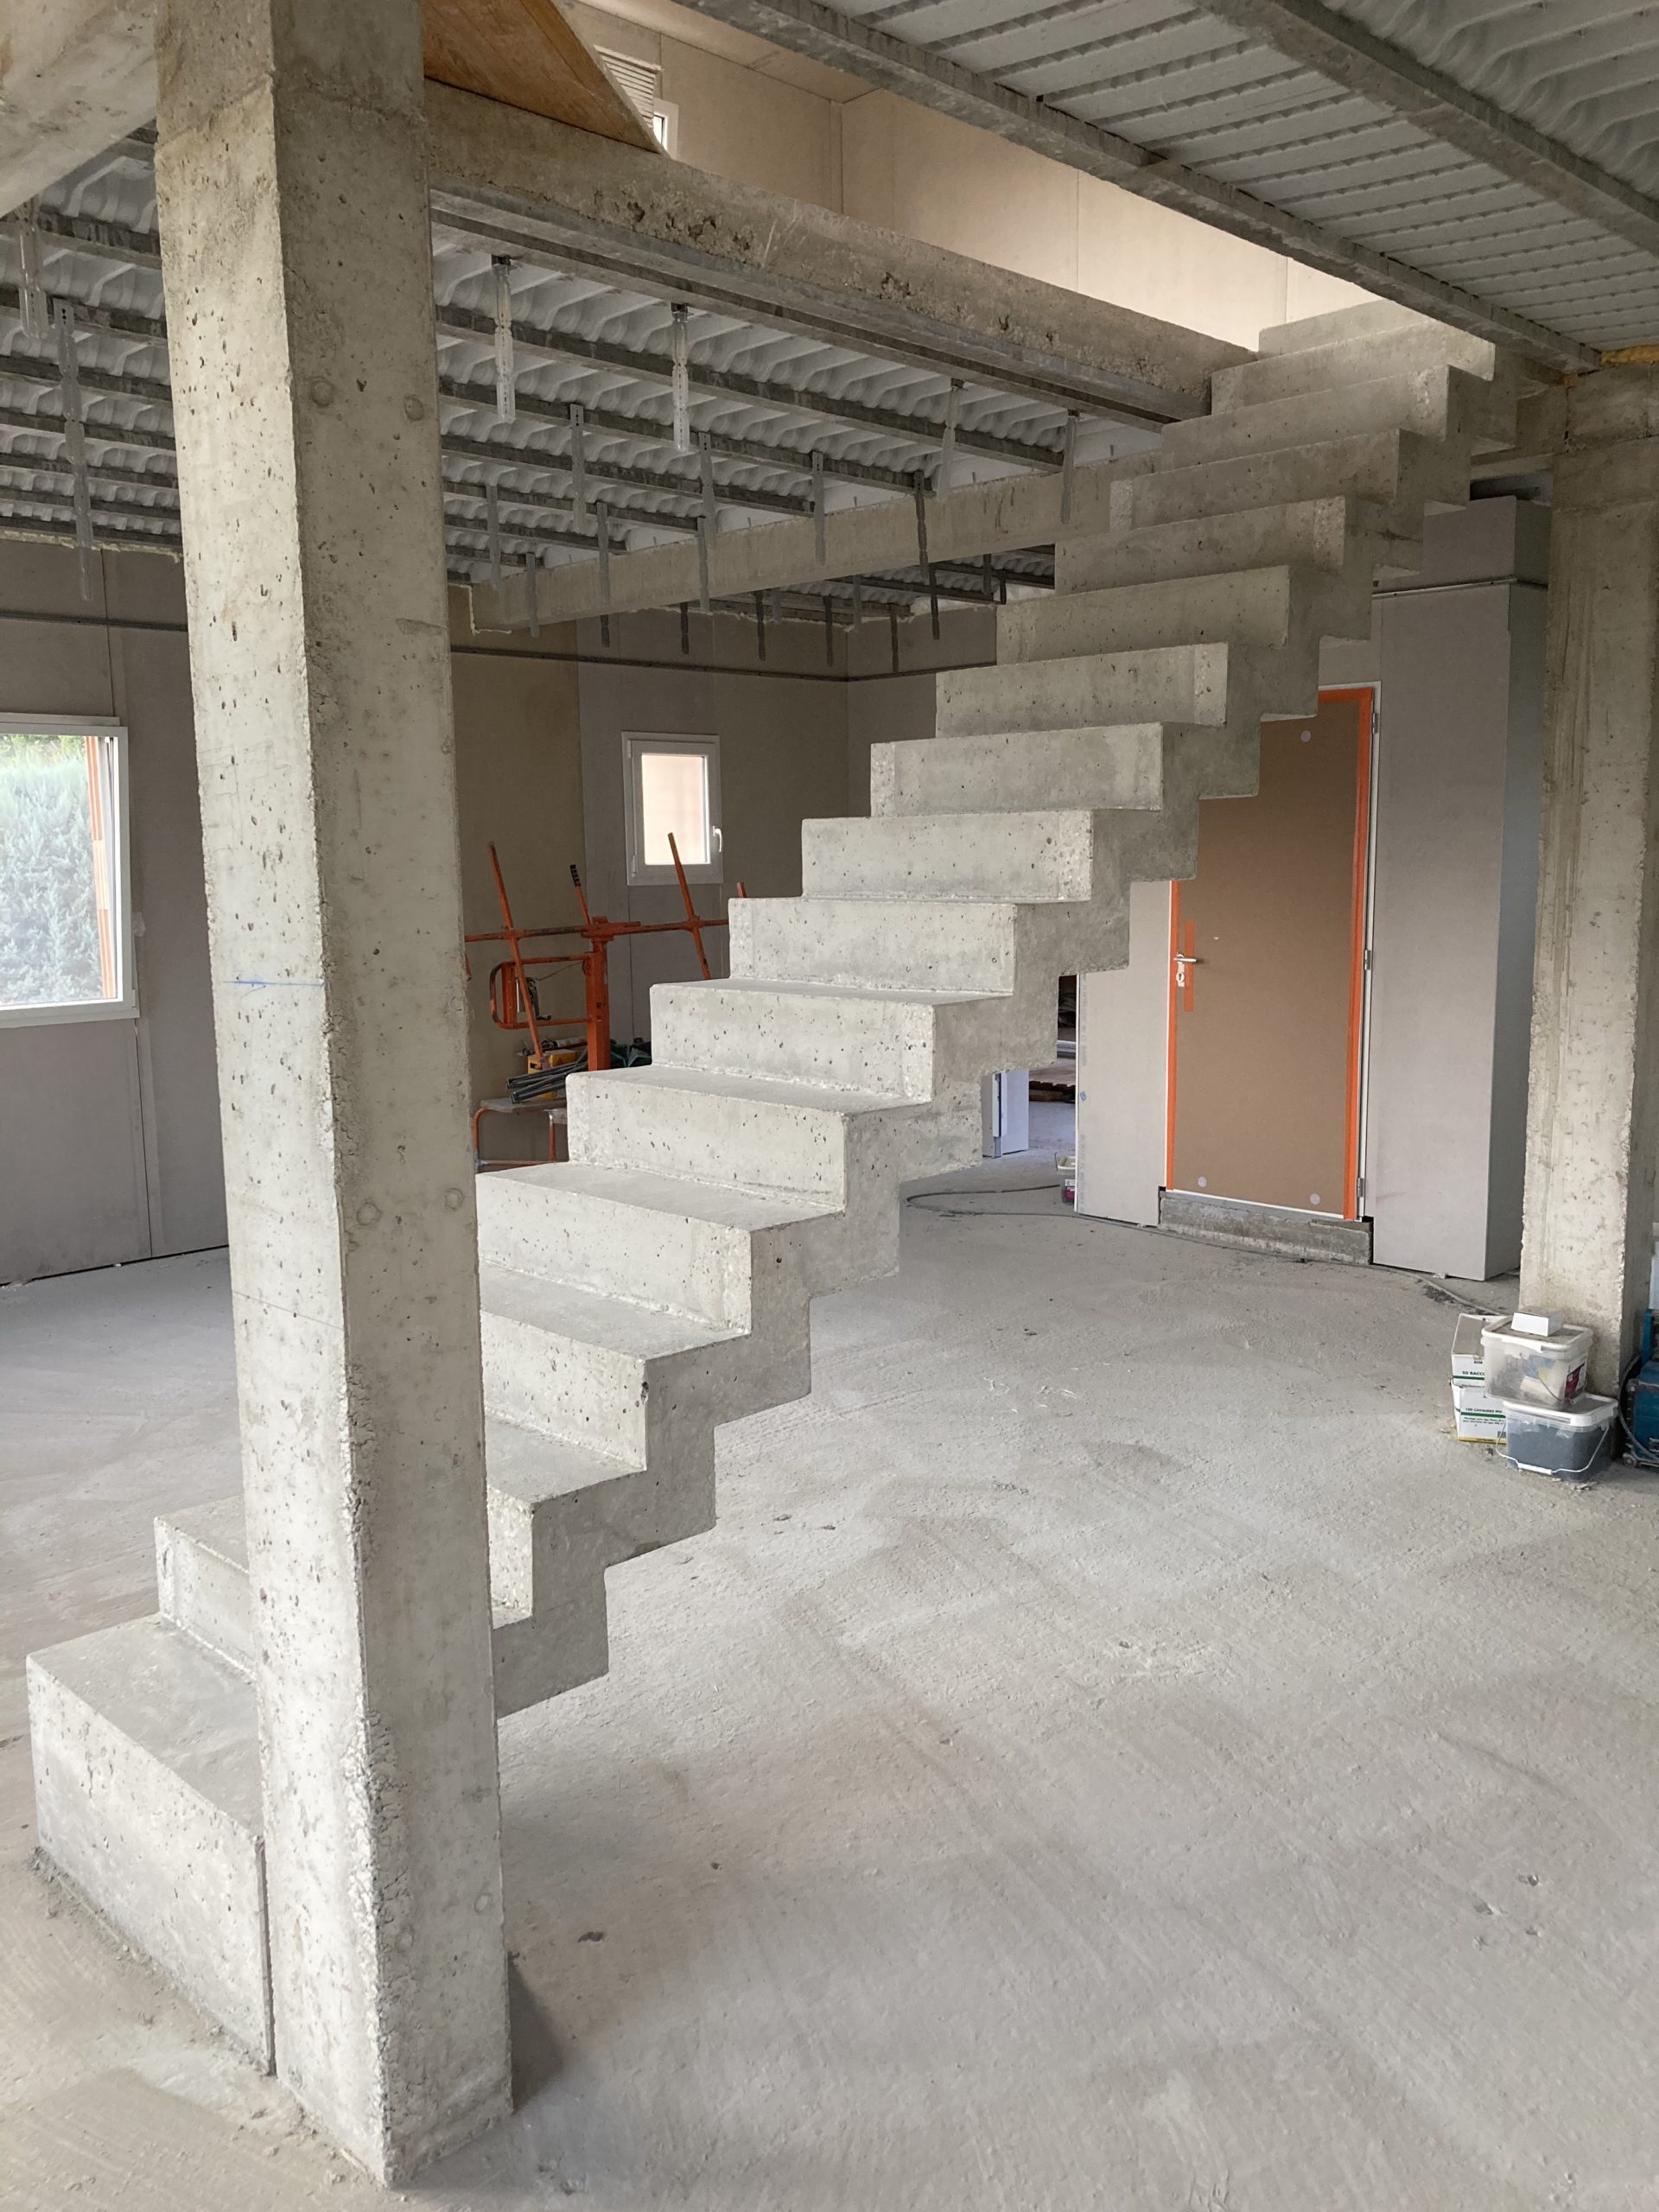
(296, 251)
(1592, 1131)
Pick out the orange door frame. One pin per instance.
(1365, 698)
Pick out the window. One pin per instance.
(64, 949)
(673, 786)
(640, 83)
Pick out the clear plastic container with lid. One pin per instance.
(1525, 1370)
(1573, 1442)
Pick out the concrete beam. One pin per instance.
(520, 181)
(1008, 516)
(75, 75)
(291, 180)
(932, 80)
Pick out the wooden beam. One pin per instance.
(523, 53)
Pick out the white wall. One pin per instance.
(751, 111)
(109, 1130)
(783, 756)
(1122, 1070)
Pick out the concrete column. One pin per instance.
(292, 202)
(1593, 1129)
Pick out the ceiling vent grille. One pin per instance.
(638, 82)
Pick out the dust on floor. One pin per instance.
(1117, 1752)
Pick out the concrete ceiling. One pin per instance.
(770, 409)
(1488, 161)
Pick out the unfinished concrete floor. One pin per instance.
(1117, 1752)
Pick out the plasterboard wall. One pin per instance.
(109, 1130)
(1459, 795)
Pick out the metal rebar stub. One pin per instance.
(761, 626)
(818, 551)
(532, 605)
(505, 403)
(31, 292)
(1068, 465)
(680, 378)
(947, 442)
(578, 467)
(493, 526)
(74, 441)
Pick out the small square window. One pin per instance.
(65, 937)
(673, 790)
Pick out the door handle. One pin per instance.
(1184, 963)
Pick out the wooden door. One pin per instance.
(1267, 974)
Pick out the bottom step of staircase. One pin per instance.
(147, 1800)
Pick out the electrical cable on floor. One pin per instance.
(993, 1191)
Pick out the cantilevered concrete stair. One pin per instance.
(659, 1283)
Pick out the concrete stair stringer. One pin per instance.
(659, 1282)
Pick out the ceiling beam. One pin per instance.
(519, 183)
(74, 75)
(1016, 514)
(1318, 38)
(38, 369)
(707, 381)
(930, 80)
(140, 249)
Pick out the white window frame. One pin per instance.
(635, 743)
(125, 1007)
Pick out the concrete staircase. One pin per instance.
(659, 1283)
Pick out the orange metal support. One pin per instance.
(512, 981)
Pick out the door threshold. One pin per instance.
(1281, 1230)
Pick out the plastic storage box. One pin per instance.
(1571, 1441)
(1528, 1370)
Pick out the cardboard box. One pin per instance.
(1467, 1356)
(1477, 1418)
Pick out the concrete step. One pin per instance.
(201, 1577)
(1351, 361)
(1373, 319)
(581, 1366)
(750, 1133)
(1121, 768)
(1095, 691)
(1391, 470)
(560, 1515)
(947, 945)
(1301, 534)
(1432, 402)
(1031, 858)
(683, 1246)
(147, 1798)
(1248, 606)
(828, 1035)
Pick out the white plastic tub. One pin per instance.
(1571, 1441)
(1528, 1370)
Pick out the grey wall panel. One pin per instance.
(1455, 861)
(179, 1084)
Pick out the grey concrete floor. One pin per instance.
(1118, 1750)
